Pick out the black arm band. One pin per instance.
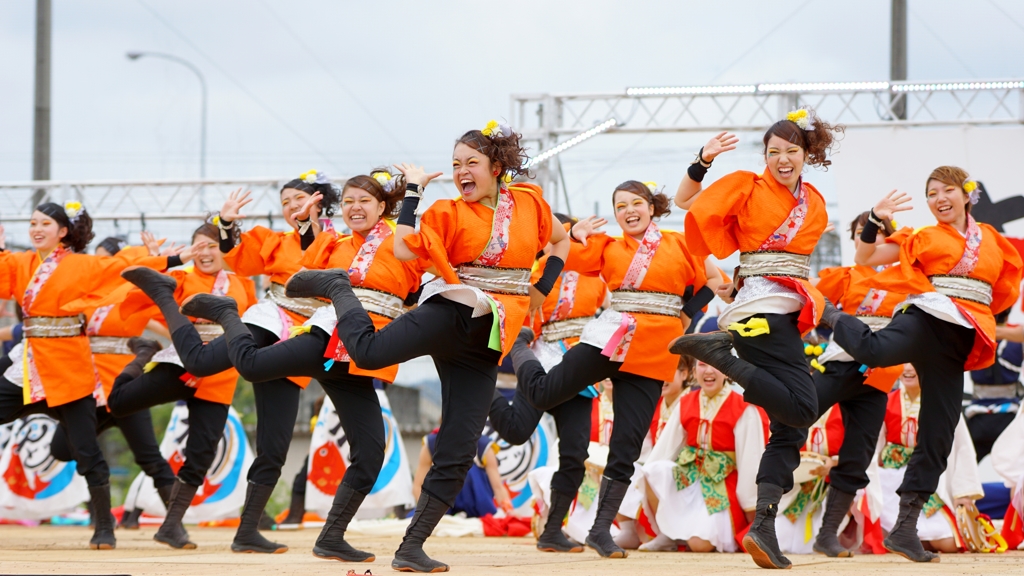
(174, 261)
(407, 217)
(552, 269)
(307, 238)
(870, 232)
(696, 172)
(227, 236)
(701, 299)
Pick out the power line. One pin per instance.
(299, 40)
(771, 31)
(1007, 14)
(952, 52)
(280, 120)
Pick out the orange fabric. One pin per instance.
(386, 274)
(741, 210)
(110, 365)
(935, 250)
(847, 286)
(454, 232)
(65, 364)
(264, 251)
(673, 268)
(590, 291)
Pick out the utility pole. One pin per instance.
(41, 124)
(898, 57)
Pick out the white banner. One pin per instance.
(35, 485)
(516, 462)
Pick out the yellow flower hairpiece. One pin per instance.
(491, 129)
(216, 220)
(653, 186)
(973, 194)
(308, 177)
(801, 118)
(72, 208)
(970, 186)
(895, 226)
(385, 180)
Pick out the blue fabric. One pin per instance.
(476, 498)
(16, 334)
(1010, 352)
(997, 498)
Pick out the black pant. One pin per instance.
(161, 385)
(138, 432)
(516, 422)
(78, 418)
(353, 397)
(447, 332)
(299, 483)
(938, 350)
(863, 410)
(985, 428)
(635, 398)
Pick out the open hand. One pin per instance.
(310, 207)
(893, 202)
(416, 175)
(236, 200)
(722, 142)
(588, 227)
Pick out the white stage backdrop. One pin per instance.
(873, 161)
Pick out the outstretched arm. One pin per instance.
(874, 251)
(416, 181)
(691, 186)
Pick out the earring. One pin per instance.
(496, 172)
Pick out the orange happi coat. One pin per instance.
(385, 274)
(672, 269)
(454, 232)
(741, 210)
(588, 298)
(935, 250)
(847, 287)
(65, 365)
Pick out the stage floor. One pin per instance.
(64, 550)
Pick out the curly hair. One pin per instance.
(329, 190)
(817, 143)
(392, 200)
(504, 151)
(79, 232)
(659, 200)
(862, 219)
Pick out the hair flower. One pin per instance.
(216, 221)
(801, 118)
(653, 186)
(72, 209)
(385, 180)
(973, 194)
(309, 177)
(494, 129)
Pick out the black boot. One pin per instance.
(160, 289)
(903, 539)
(144, 351)
(266, 522)
(172, 532)
(715, 348)
(760, 541)
(331, 284)
(296, 512)
(130, 519)
(830, 314)
(552, 539)
(248, 537)
(837, 506)
(103, 531)
(600, 536)
(331, 544)
(219, 309)
(165, 493)
(410, 556)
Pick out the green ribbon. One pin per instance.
(708, 467)
(495, 341)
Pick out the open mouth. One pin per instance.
(785, 171)
(468, 186)
(944, 209)
(205, 261)
(632, 220)
(357, 217)
(39, 238)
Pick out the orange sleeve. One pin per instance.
(1007, 288)
(590, 258)
(834, 282)
(900, 236)
(435, 237)
(711, 221)
(246, 258)
(134, 301)
(10, 263)
(250, 293)
(905, 277)
(318, 255)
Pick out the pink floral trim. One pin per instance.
(789, 228)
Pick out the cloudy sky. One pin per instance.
(344, 86)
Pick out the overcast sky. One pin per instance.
(344, 86)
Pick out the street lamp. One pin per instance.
(202, 83)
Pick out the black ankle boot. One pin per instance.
(103, 531)
(172, 532)
(296, 512)
(521, 352)
(837, 506)
(331, 544)
(248, 537)
(144, 351)
(760, 541)
(410, 556)
(331, 284)
(830, 314)
(160, 289)
(903, 538)
(715, 348)
(553, 539)
(600, 536)
(218, 309)
(165, 493)
(130, 519)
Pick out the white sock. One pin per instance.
(627, 538)
(661, 543)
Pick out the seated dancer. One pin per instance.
(648, 272)
(573, 301)
(957, 273)
(774, 220)
(483, 246)
(381, 283)
(52, 369)
(699, 478)
(189, 370)
(959, 485)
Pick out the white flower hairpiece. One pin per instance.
(385, 180)
(73, 208)
(314, 177)
(652, 186)
(802, 118)
(973, 193)
(493, 129)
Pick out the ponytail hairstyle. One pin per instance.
(565, 218)
(954, 176)
(213, 219)
(862, 220)
(502, 146)
(648, 191)
(803, 128)
(314, 181)
(71, 215)
(382, 185)
(208, 229)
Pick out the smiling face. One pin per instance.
(909, 379)
(632, 212)
(360, 209)
(946, 201)
(208, 259)
(710, 379)
(44, 232)
(785, 160)
(673, 387)
(474, 174)
(291, 201)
